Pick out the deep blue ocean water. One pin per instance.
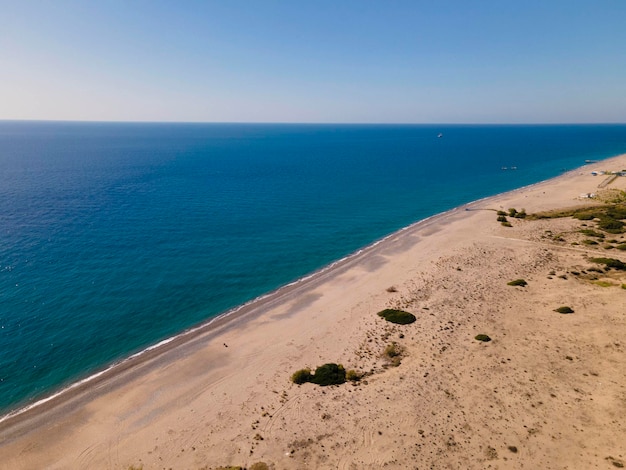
(114, 236)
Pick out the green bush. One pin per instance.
(329, 374)
(617, 212)
(512, 212)
(584, 216)
(501, 213)
(586, 241)
(501, 218)
(610, 263)
(611, 225)
(301, 376)
(506, 224)
(483, 338)
(517, 282)
(564, 309)
(399, 317)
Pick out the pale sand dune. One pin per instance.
(549, 390)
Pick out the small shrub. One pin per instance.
(392, 350)
(621, 246)
(521, 214)
(610, 263)
(591, 233)
(483, 338)
(603, 283)
(501, 213)
(586, 241)
(259, 466)
(517, 282)
(353, 376)
(564, 309)
(611, 225)
(329, 374)
(399, 317)
(506, 224)
(584, 216)
(502, 218)
(301, 376)
(393, 353)
(512, 212)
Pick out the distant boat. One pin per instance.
(513, 168)
(504, 168)
(440, 135)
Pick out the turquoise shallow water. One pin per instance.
(115, 236)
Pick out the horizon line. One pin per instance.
(296, 123)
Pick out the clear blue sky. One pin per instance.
(447, 61)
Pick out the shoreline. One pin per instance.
(247, 310)
(224, 320)
(288, 307)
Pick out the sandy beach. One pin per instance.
(548, 391)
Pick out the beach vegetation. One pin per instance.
(588, 241)
(506, 224)
(502, 218)
(399, 317)
(392, 350)
(584, 215)
(591, 233)
(517, 282)
(501, 213)
(329, 374)
(393, 353)
(512, 212)
(603, 283)
(301, 376)
(609, 263)
(259, 466)
(353, 376)
(611, 225)
(564, 309)
(482, 337)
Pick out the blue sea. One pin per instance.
(114, 236)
